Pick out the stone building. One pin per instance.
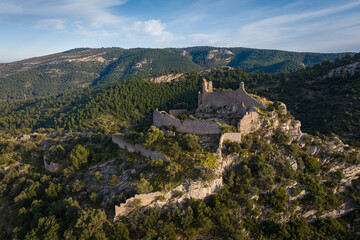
(220, 97)
(224, 106)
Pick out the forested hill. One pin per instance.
(81, 68)
(254, 60)
(326, 104)
(85, 67)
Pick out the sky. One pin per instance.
(30, 28)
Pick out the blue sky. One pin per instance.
(31, 28)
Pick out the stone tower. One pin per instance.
(207, 87)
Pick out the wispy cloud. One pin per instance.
(52, 24)
(90, 13)
(281, 29)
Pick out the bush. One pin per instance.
(247, 142)
(156, 163)
(79, 157)
(143, 186)
(57, 153)
(54, 190)
(281, 137)
(232, 146)
(113, 180)
(174, 149)
(154, 134)
(312, 165)
(191, 142)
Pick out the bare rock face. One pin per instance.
(166, 78)
(350, 173)
(349, 69)
(314, 150)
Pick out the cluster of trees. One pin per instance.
(128, 102)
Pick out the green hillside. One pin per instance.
(81, 68)
(85, 67)
(254, 60)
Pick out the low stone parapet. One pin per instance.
(146, 152)
(199, 127)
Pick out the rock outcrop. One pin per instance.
(349, 69)
(166, 78)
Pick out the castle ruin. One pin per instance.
(215, 106)
(224, 106)
(220, 97)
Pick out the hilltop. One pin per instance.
(225, 165)
(85, 67)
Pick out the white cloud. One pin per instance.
(152, 28)
(284, 30)
(53, 24)
(90, 13)
(9, 8)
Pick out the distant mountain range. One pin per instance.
(86, 67)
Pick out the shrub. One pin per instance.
(247, 142)
(174, 149)
(54, 190)
(312, 165)
(191, 142)
(113, 180)
(77, 186)
(79, 157)
(143, 186)
(156, 163)
(153, 134)
(281, 137)
(232, 146)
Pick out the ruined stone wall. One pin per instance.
(52, 167)
(250, 122)
(199, 127)
(139, 148)
(234, 137)
(145, 199)
(228, 97)
(178, 112)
